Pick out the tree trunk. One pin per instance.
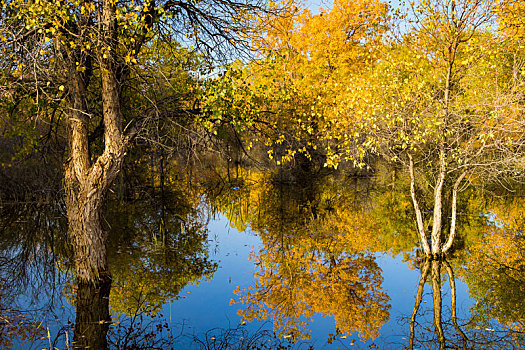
(84, 209)
(86, 182)
(419, 216)
(452, 233)
(437, 221)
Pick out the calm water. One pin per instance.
(267, 261)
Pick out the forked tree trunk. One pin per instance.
(85, 196)
(436, 250)
(87, 182)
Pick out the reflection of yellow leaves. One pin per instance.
(495, 268)
(353, 228)
(20, 327)
(299, 281)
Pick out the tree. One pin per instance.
(289, 95)
(443, 102)
(81, 57)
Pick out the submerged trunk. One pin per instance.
(84, 189)
(85, 195)
(85, 230)
(86, 186)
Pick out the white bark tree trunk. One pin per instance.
(437, 221)
(419, 216)
(452, 233)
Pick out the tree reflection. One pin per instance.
(92, 316)
(434, 268)
(448, 331)
(496, 271)
(295, 283)
(33, 233)
(310, 265)
(157, 247)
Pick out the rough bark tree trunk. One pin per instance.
(87, 182)
(85, 196)
(84, 189)
(85, 227)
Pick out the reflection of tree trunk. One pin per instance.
(435, 267)
(93, 319)
(419, 297)
(452, 280)
(436, 292)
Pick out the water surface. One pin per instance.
(290, 259)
